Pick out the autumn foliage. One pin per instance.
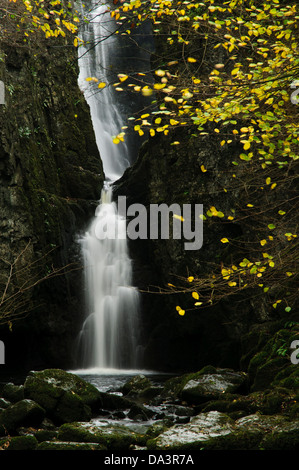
(228, 69)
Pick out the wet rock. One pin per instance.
(276, 432)
(114, 437)
(194, 435)
(4, 403)
(109, 401)
(276, 400)
(210, 386)
(59, 445)
(140, 413)
(23, 413)
(136, 385)
(64, 396)
(13, 392)
(217, 431)
(19, 443)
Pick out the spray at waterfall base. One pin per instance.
(152, 223)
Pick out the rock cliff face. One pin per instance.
(227, 332)
(50, 179)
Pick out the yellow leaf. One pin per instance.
(191, 59)
(263, 242)
(179, 217)
(180, 310)
(195, 295)
(268, 180)
(116, 140)
(198, 304)
(190, 278)
(224, 240)
(246, 146)
(159, 86)
(232, 283)
(122, 77)
(152, 132)
(101, 85)
(203, 169)
(146, 91)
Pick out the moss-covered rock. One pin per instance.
(64, 396)
(114, 437)
(216, 431)
(194, 435)
(136, 385)
(60, 445)
(269, 402)
(13, 392)
(23, 413)
(19, 443)
(207, 384)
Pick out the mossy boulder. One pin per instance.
(136, 385)
(65, 396)
(114, 437)
(217, 431)
(13, 392)
(23, 413)
(59, 445)
(19, 443)
(278, 432)
(268, 402)
(193, 435)
(207, 384)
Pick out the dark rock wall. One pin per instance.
(218, 333)
(50, 180)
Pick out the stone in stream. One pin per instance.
(113, 436)
(217, 431)
(23, 413)
(210, 386)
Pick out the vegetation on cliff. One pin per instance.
(230, 70)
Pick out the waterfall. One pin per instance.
(109, 335)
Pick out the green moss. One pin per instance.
(51, 445)
(19, 443)
(114, 437)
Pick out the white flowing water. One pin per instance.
(109, 335)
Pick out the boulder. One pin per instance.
(65, 396)
(140, 413)
(60, 445)
(23, 413)
(19, 443)
(136, 385)
(13, 392)
(277, 432)
(201, 430)
(4, 403)
(216, 431)
(212, 385)
(115, 437)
